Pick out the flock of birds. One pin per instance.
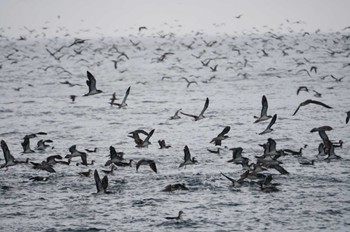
(256, 173)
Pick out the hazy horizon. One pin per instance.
(124, 17)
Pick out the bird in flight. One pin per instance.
(309, 101)
(201, 115)
(91, 83)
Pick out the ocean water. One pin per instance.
(311, 198)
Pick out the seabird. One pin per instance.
(302, 88)
(187, 158)
(114, 156)
(237, 157)
(309, 101)
(148, 162)
(179, 217)
(142, 28)
(91, 83)
(113, 167)
(43, 166)
(214, 69)
(201, 115)
(189, 82)
(263, 114)
(317, 94)
(217, 140)
(72, 97)
(26, 146)
(9, 159)
(162, 144)
(86, 174)
(305, 161)
(331, 154)
(123, 103)
(268, 128)
(235, 183)
(294, 152)
(176, 115)
(41, 144)
(101, 186)
(142, 143)
(174, 187)
(322, 132)
(347, 117)
(267, 186)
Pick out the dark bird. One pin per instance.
(91, 83)
(217, 140)
(176, 115)
(43, 166)
(214, 69)
(179, 217)
(86, 174)
(123, 103)
(302, 88)
(201, 115)
(72, 97)
(101, 186)
(110, 172)
(162, 144)
(142, 28)
(9, 159)
(187, 158)
(174, 187)
(238, 16)
(317, 94)
(313, 68)
(235, 183)
(304, 70)
(148, 162)
(263, 114)
(189, 82)
(309, 101)
(347, 117)
(39, 178)
(114, 156)
(337, 79)
(139, 142)
(268, 128)
(92, 151)
(26, 146)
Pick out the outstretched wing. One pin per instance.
(98, 182)
(224, 131)
(229, 178)
(91, 82)
(320, 103)
(187, 154)
(264, 106)
(273, 120)
(7, 154)
(205, 106)
(126, 95)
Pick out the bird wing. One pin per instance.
(104, 183)
(264, 106)
(320, 103)
(112, 153)
(91, 82)
(297, 109)
(7, 154)
(187, 154)
(273, 120)
(83, 158)
(205, 106)
(229, 178)
(190, 115)
(126, 95)
(149, 135)
(153, 166)
(280, 169)
(224, 131)
(98, 182)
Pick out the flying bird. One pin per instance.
(217, 140)
(101, 186)
(148, 162)
(201, 115)
(187, 158)
(268, 128)
(123, 103)
(263, 114)
(309, 101)
(91, 83)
